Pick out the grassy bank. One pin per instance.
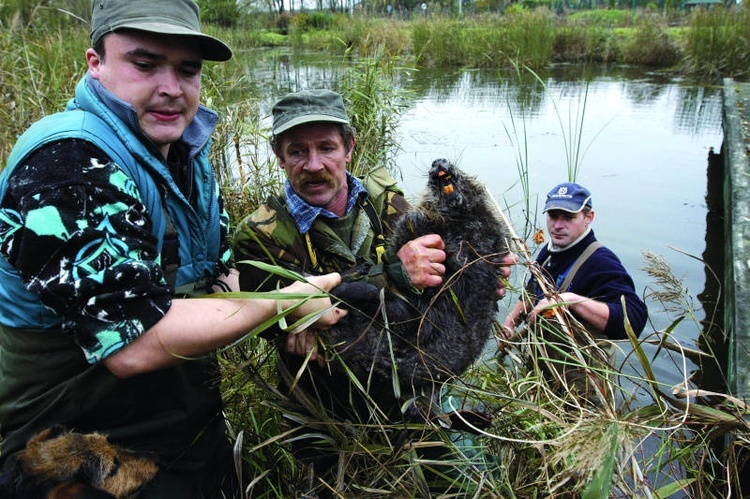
(703, 43)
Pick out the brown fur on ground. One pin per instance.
(58, 464)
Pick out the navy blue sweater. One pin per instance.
(603, 278)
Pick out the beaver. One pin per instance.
(61, 463)
(402, 346)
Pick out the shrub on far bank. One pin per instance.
(609, 18)
(522, 36)
(532, 38)
(364, 35)
(588, 44)
(650, 44)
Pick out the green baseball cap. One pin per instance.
(307, 106)
(173, 17)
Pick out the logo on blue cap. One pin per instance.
(568, 197)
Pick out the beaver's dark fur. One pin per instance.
(436, 334)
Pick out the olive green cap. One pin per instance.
(172, 17)
(307, 106)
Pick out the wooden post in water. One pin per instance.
(735, 152)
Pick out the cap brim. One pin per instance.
(308, 118)
(563, 208)
(212, 49)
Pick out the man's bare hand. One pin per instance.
(314, 285)
(306, 341)
(303, 343)
(423, 259)
(508, 260)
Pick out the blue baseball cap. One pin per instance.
(568, 197)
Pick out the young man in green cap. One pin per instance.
(110, 220)
(327, 220)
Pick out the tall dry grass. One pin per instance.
(718, 42)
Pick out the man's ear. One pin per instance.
(350, 150)
(94, 62)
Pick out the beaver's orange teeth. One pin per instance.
(448, 189)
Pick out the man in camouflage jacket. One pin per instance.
(328, 220)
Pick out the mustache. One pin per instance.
(308, 178)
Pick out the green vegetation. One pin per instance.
(651, 44)
(38, 72)
(522, 37)
(543, 441)
(718, 46)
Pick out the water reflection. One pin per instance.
(698, 110)
(714, 341)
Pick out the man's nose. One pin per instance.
(169, 83)
(314, 162)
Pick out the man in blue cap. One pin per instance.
(110, 222)
(588, 277)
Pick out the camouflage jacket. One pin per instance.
(270, 234)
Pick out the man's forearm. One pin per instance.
(191, 328)
(594, 313)
(198, 326)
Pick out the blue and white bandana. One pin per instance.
(305, 214)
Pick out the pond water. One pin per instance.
(638, 140)
(644, 140)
